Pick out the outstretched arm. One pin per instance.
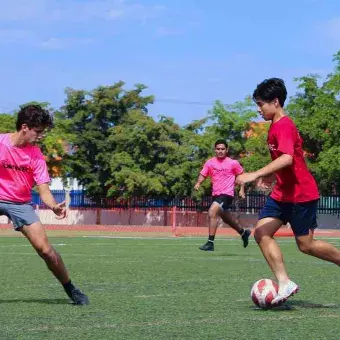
(281, 162)
(58, 208)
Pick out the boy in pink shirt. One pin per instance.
(222, 171)
(22, 166)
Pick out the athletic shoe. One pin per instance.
(78, 297)
(245, 237)
(285, 292)
(209, 246)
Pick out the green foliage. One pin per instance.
(7, 123)
(91, 115)
(231, 122)
(56, 147)
(152, 158)
(106, 139)
(316, 111)
(257, 154)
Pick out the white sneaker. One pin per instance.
(285, 291)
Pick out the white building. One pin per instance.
(57, 184)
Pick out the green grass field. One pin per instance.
(162, 289)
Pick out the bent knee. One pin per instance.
(258, 235)
(304, 247)
(46, 252)
(261, 233)
(212, 214)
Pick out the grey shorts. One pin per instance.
(20, 214)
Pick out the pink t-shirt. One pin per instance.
(222, 173)
(20, 169)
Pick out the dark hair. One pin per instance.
(270, 89)
(221, 141)
(34, 116)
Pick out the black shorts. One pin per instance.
(224, 201)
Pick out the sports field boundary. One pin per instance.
(157, 230)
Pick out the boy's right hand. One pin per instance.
(265, 183)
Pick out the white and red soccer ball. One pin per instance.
(263, 292)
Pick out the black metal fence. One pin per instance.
(252, 204)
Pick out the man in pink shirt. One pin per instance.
(222, 171)
(22, 166)
(295, 196)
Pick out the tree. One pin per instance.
(56, 147)
(231, 122)
(316, 111)
(257, 154)
(152, 158)
(91, 115)
(7, 123)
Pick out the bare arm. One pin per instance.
(242, 192)
(200, 180)
(45, 193)
(281, 162)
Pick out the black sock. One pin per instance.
(211, 238)
(68, 286)
(241, 232)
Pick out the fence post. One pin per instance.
(98, 214)
(174, 221)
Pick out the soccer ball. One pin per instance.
(263, 292)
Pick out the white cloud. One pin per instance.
(163, 31)
(60, 43)
(34, 20)
(15, 35)
(15, 10)
(214, 80)
(171, 29)
(331, 30)
(75, 11)
(27, 37)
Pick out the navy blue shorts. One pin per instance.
(301, 216)
(224, 201)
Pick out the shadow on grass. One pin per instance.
(308, 304)
(43, 301)
(231, 254)
(294, 304)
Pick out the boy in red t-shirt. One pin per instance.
(295, 195)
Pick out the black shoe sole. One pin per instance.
(246, 241)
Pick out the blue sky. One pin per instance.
(184, 50)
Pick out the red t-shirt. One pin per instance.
(295, 183)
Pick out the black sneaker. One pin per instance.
(78, 297)
(245, 237)
(209, 246)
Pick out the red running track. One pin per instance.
(178, 231)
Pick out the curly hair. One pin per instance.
(34, 116)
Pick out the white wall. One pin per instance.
(57, 184)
